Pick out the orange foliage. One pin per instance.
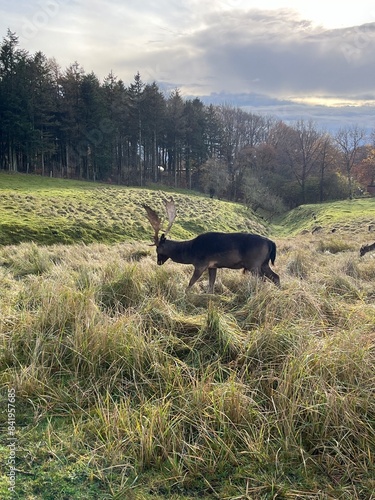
(364, 171)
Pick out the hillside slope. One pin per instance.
(352, 216)
(49, 211)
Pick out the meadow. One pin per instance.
(127, 387)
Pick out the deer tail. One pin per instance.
(273, 252)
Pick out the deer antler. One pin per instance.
(155, 220)
(171, 213)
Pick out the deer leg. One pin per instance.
(254, 271)
(198, 271)
(267, 271)
(211, 279)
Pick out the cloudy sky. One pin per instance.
(289, 58)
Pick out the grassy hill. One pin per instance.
(352, 216)
(117, 384)
(48, 211)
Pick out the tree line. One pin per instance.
(66, 123)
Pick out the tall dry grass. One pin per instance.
(137, 389)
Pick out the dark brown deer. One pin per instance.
(366, 248)
(212, 251)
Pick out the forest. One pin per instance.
(69, 124)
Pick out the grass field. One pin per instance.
(351, 216)
(126, 387)
(49, 211)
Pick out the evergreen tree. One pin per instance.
(195, 138)
(71, 115)
(116, 113)
(135, 93)
(175, 132)
(15, 126)
(153, 113)
(42, 147)
(94, 130)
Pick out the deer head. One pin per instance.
(156, 222)
(366, 248)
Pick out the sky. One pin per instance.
(288, 58)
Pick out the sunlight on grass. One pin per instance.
(129, 387)
(49, 211)
(133, 386)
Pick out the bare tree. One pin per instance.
(240, 130)
(214, 177)
(349, 141)
(303, 151)
(258, 195)
(325, 160)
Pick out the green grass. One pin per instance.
(127, 387)
(48, 211)
(349, 216)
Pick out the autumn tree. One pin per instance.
(326, 162)
(364, 169)
(349, 140)
(303, 151)
(214, 177)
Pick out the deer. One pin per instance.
(366, 248)
(213, 250)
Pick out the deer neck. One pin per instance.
(179, 251)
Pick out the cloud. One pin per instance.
(327, 118)
(269, 52)
(201, 48)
